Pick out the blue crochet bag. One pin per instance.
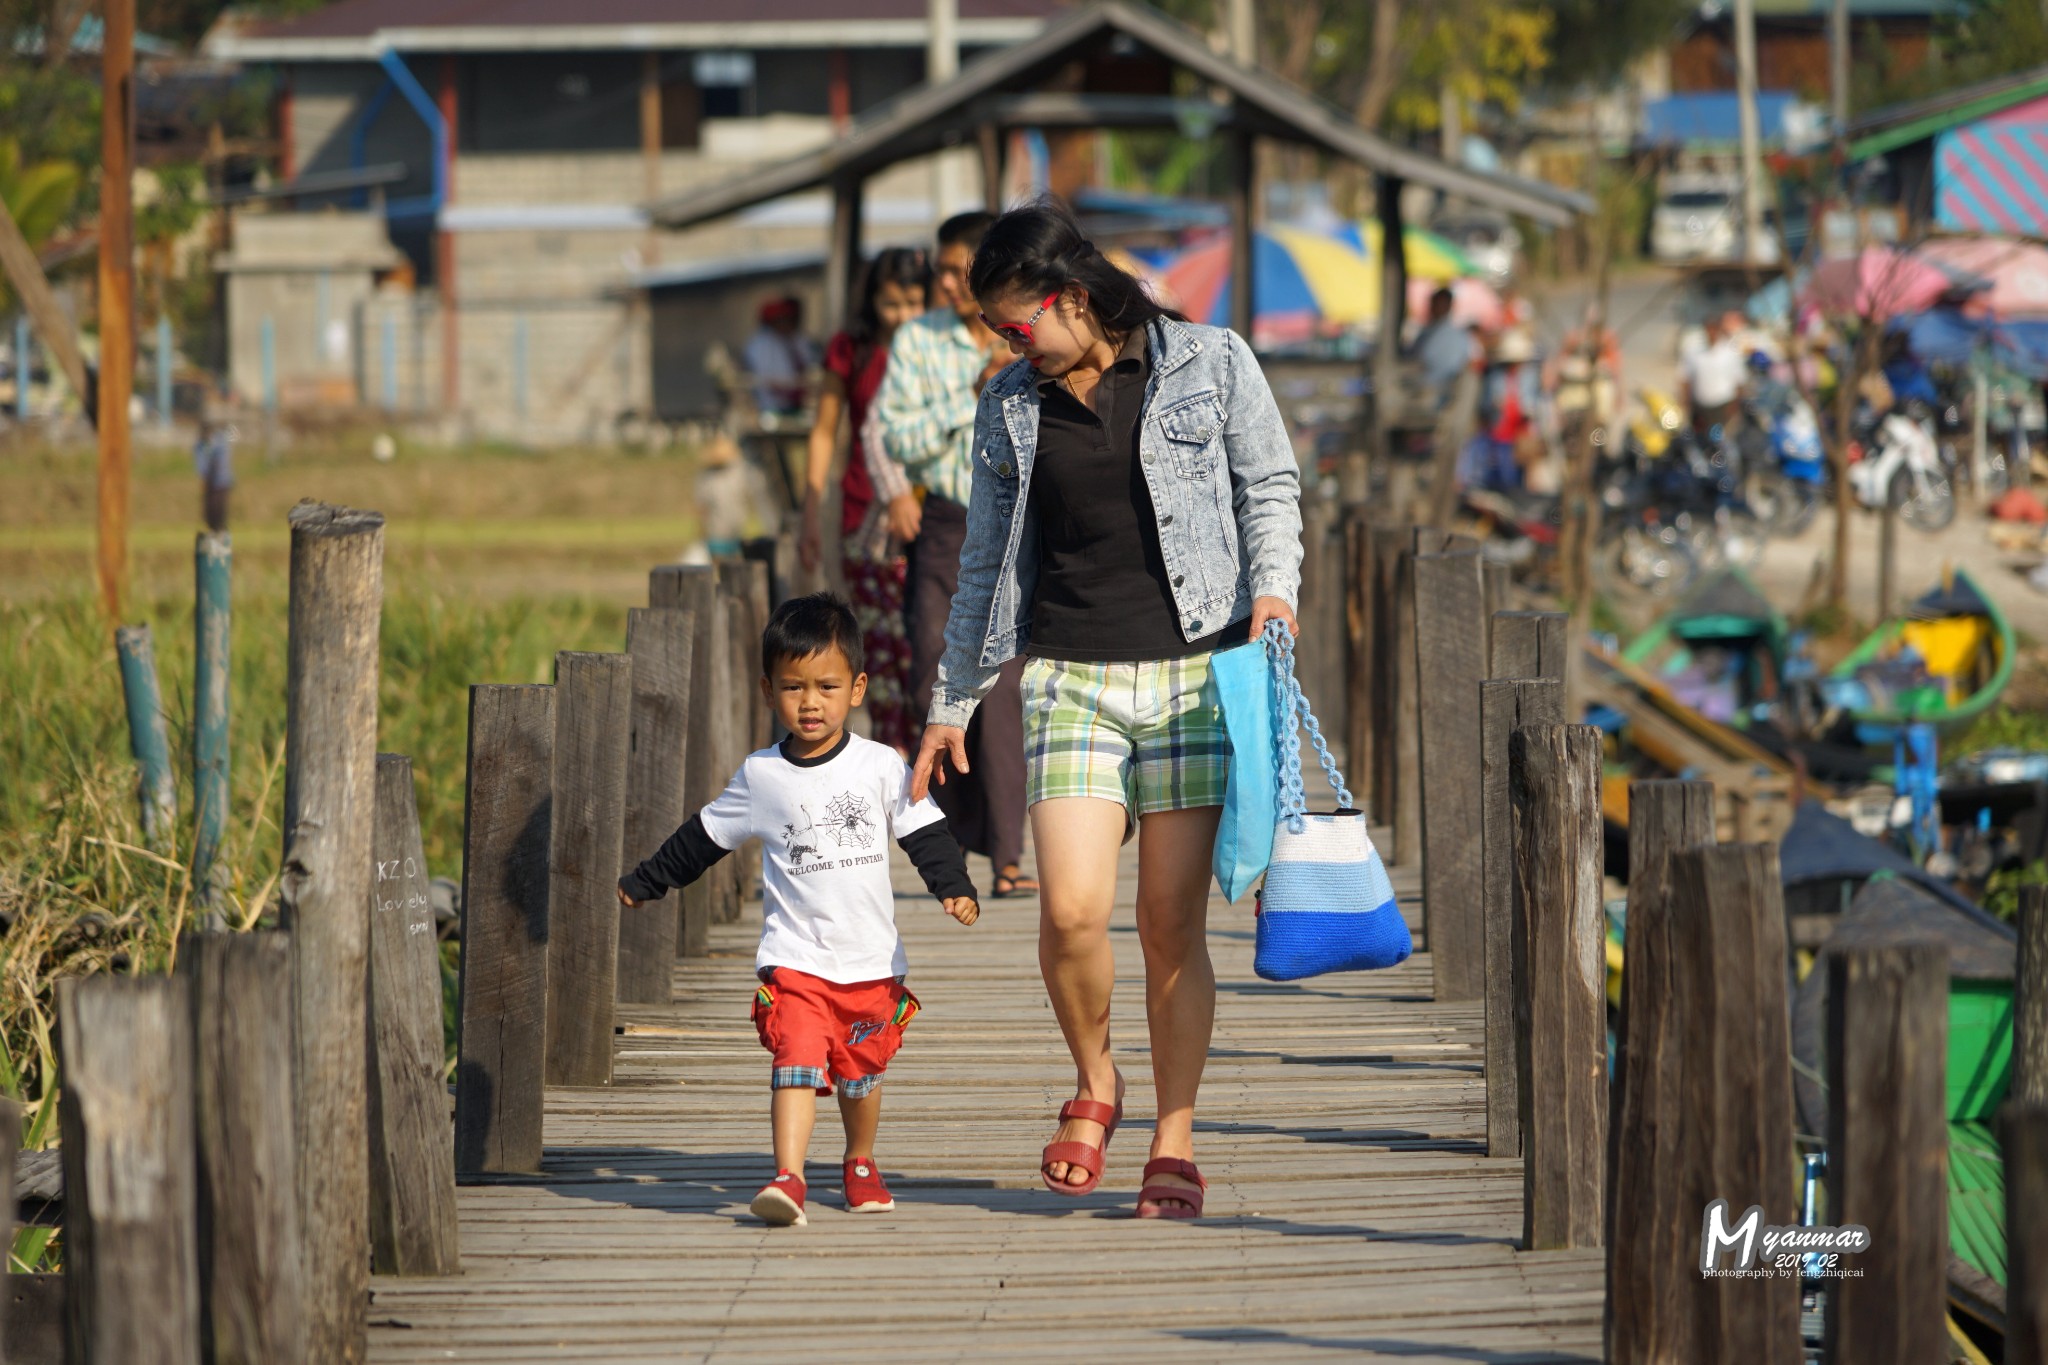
(1242, 678)
(1327, 905)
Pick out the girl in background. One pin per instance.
(892, 292)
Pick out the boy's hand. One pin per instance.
(963, 908)
(627, 900)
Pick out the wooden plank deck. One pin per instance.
(1351, 1211)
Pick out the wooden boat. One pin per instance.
(1968, 649)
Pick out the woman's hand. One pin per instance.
(906, 517)
(809, 536)
(949, 741)
(1266, 609)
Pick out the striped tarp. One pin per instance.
(1993, 177)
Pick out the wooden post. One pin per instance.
(1359, 701)
(735, 877)
(593, 716)
(1888, 1151)
(1728, 1006)
(2024, 1145)
(1393, 306)
(337, 592)
(504, 985)
(650, 148)
(658, 639)
(1651, 1230)
(1505, 706)
(116, 295)
(695, 589)
(25, 273)
(2030, 1001)
(148, 740)
(1450, 630)
(757, 586)
(1528, 644)
(10, 1144)
(1496, 590)
(990, 139)
(412, 1148)
(213, 558)
(842, 254)
(1244, 206)
(1887, 557)
(251, 1290)
(1561, 1041)
(131, 1252)
(1405, 716)
(1386, 547)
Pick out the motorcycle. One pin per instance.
(1896, 462)
(1789, 475)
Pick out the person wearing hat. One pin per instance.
(733, 501)
(779, 358)
(212, 460)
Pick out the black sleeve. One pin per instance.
(680, 861)
(937, 856)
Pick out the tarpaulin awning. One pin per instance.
(1992, 177)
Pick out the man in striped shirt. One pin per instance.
(924, 423)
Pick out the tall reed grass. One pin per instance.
(80, 893)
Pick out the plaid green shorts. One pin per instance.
(1148, 734)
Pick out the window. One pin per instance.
(725, 81)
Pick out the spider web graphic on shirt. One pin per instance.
(847, 819)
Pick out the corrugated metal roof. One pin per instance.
(366, 18)
(1896, 125)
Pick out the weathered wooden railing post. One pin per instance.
(744, 588)
(252, 1297)
(1525, 650)
(1359, 701)
(694, 588)
(593, 710)
(658, 638)
(1385, 545)
(2024, 1145)
(1554, 783)
(504, 986)
(10, 1144)
(1404, 714)
(1450, 646)
(2030, 1001)
(1505, 706)
(1729, 1012)
(337, 594)
(131, 1293)
(1888, 1152)
(1651, 1231)
(412, 1148)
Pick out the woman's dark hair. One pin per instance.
(1040, 249)
(804, 626)
(907, 267)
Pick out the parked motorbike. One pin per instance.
(1788, 476)
(1895, 461)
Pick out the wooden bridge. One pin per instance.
(1436, 1162)
(1342, 1127)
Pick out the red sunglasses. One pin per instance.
(1019, 333)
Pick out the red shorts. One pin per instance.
(825, 1031)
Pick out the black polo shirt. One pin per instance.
(1103, 592)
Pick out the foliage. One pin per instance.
(2003, 727)
(1974, 40)
(173, 206)
(2002, 891)
(38, 195)
(1487, 53)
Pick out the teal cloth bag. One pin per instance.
(1243, 679)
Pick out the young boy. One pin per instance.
(831, 1007)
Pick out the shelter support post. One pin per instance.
(842, 253)
(1243, 208)
(1393, 298)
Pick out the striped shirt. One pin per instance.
(924, 413)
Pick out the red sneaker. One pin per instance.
(865, 1192)
(781, 1201)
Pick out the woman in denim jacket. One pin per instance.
(1135, 506)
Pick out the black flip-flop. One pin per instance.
(1006, 886)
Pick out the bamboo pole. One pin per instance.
(213, 561)
(117, 296)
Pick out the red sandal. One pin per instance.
(1188, 1203)
(1087, 1155)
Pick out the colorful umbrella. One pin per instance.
(1879, 282)
(1427, 255)
(1301, 279)
(2015, 274)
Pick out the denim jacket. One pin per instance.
(1225, 486)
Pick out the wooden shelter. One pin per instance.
(1112, 65)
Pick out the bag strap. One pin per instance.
(1291, 712)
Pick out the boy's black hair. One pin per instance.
(804, 626)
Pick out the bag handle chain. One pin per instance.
(1292, 711)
